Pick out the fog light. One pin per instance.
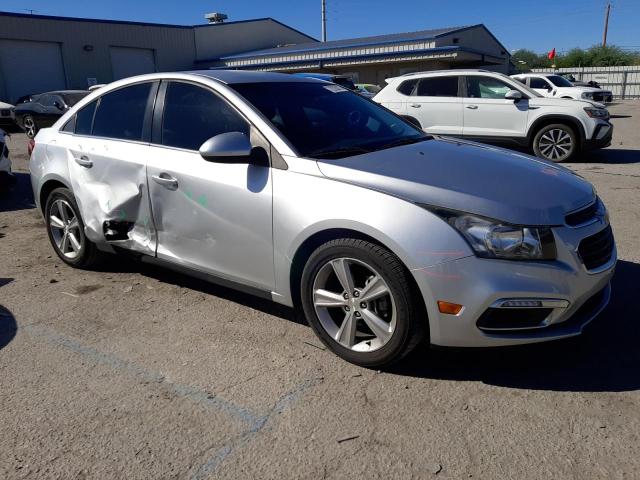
(521, 304)
(449, 308)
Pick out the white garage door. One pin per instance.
(127, 62)
(30, 67)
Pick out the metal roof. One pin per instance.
(247, 76)
(352, 42)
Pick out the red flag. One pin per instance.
(552, 54)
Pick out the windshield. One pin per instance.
(72, 98)
(327, 121)
(558, 81)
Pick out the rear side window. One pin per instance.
(192, 115)
(84, 119)
(438, 87)
(120, 114)
(407, 86)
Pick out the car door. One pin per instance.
(487, 113)
(436, 103)
(107, 147)
(211, 216)
(542, 86)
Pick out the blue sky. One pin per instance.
(538, 25)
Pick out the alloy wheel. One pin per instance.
(30, 126)
(354, 304)
(65, 229)
(555, 144)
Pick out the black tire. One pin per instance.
(557, 142)
(411, 323)
(88, 255)
(29, 125)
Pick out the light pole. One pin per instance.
(324, 20)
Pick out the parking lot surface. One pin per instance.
(136, 372)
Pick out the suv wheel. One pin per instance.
(556, 142)
(66, 230)
(360, 301)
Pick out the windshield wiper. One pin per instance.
(404, 141)
(338, 152)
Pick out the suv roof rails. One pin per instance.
(452, 70)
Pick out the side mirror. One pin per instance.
(231, 147)
(514, 95)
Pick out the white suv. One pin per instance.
(555, 86)
(493, 108)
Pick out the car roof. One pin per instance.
(245, 76)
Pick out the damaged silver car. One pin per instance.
(303, 192)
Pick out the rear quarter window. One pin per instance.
(406, 87)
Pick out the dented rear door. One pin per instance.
(107, 157)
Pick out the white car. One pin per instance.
(490, 107)
(7, 114)
(5, 163)
(552, 85)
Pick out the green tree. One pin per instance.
(597, 56)
(525, 60)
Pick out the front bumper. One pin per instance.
(480, 284)
(601, 137)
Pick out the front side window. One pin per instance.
(486, 87)
(120, 113)
(46, 100)
(559, 81)
(327, 121)
(438, 87)
(540, 83)
(192, 115)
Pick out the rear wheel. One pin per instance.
(360, 301)
(66, 230)
(556, 142)
(30, 127)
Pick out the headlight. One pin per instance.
(494, 239)
(587, 95)
(593, 112)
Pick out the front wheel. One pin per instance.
(361, 302)
(556, 142)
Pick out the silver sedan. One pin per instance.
(300, 191)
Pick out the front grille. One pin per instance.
(5, 112)
(597, 249)
(602, 97)
(582, 216)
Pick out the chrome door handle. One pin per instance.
(416, 105)
(472, 107)
(166, 180)
(84, 161)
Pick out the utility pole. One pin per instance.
(606, 24)
(324, 20)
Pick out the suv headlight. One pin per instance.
(495, 239)
(587, 95)
(594, 112)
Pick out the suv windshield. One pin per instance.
(559, 81)
(327, 121)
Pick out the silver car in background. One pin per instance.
(303, 192)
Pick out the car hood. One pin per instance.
(469, 177)
(5, 105)
(562, 102)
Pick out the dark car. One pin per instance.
(43, 110)
(342, 80)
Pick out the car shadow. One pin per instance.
(124, 264)
(605, 358)
(17, 196)
(8, 326)
(610, 156)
